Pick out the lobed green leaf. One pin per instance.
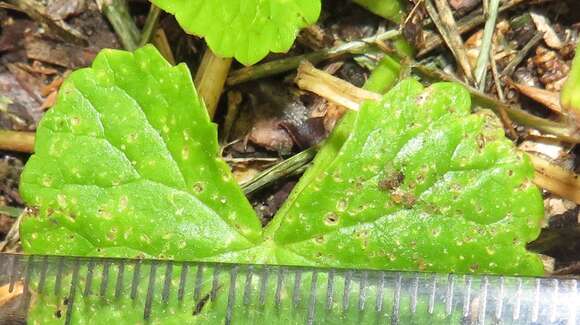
(127, 162)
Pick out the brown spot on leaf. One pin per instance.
(331, 218)
(392, 181)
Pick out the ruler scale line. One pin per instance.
(397, 299)
(12, 275)
(120, 275)
(182, 281)
(136, 279)
(536, 306)
(312, 300)
(414, 293)
(574, 304)
(516, 314)
(499, 300)
(58, 279)
(27, 279)
(43, 271)
(198, 279)
(330, 290)
(483, 303)
(89, 279)
(167, 282)
(278, 294)
(380, 292)
(72, 293)
(263, 284)
(449, 294)
(431, 306)
(231, 295)
(150, 292)
(555, 289)
(346, 293)
(296, 293)
(105, 279)
(467, 297)
(215, 282)
(362, 296)
(248, 285)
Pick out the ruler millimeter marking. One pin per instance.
(285, 294)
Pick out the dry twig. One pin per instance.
(445, 23)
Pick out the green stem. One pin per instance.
(384, 76)
(150, 24)
(570, 96)
(511, 67)
(291, 63)
(117, 12)
(288, 167)
(11, 211)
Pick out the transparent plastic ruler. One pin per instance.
(67, 290)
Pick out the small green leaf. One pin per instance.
(418, 184)
(127, 164)
(389, 9)
(245, 29)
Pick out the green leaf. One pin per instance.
(418, 184)
(245, 29)
(126, 164)
(389, 9)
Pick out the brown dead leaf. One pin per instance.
(18, 110)
(38, 68)
(306, 134)
(53, 86)
(30, 83)
(545, 97)
(57, 53)
(269, 134)
(543, 25)
(62, 9)
(13, 32)
(49, 101)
